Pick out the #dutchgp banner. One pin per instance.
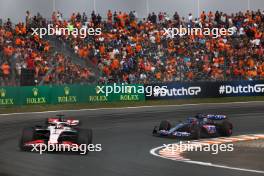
(174, 90)
(181, 90)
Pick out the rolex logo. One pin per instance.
(35, 91)
(129, 89)
(97, 90)
(2, 93)
(67, 91)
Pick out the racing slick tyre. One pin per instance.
(195, 132)
(85, 136)
(155, 130)
(27, 135)
(165, 125)
(226, 128)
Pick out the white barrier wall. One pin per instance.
(15, 9)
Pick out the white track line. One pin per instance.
(153, 152)
(130, 107)
(186, 160)
(224, 167)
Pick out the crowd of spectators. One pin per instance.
(19, 49)
(134, 50)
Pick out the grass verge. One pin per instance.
(40, 108)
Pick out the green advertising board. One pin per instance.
(117, 92)
(34, 95)
(8, 96)
(65, 94)
(41, 95)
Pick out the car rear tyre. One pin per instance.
(165, 125)
(195, 132)
(85, 137)
(155, 130)
(226, 128)
(27, 136)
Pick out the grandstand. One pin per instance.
(132, 48)
(140, 87)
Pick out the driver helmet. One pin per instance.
(59, 126)
(199, 116)
(191, 120)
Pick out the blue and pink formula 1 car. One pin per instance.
(200, 126)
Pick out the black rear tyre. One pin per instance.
(195, 132)
(226, 128)
(85, 136)
(165, 125)
(155, 130)
(27, 136)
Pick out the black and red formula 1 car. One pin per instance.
(57, 130)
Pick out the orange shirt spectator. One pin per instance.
(109, 16)
(203, 16)
(47, 48)
(5, 68)
(115, 64)
(190, 75)
(158, 76)
(8, 34)
(102, 49)
(129, 49)
(106, 70)
(250, 62)
(18, 42)
(8, 51)
(138, 48)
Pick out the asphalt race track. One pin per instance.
(125, 135)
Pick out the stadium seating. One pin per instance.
(132, 50)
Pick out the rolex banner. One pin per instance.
(65, 94)
(9, 96)
(33, 95)
(41, 95)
